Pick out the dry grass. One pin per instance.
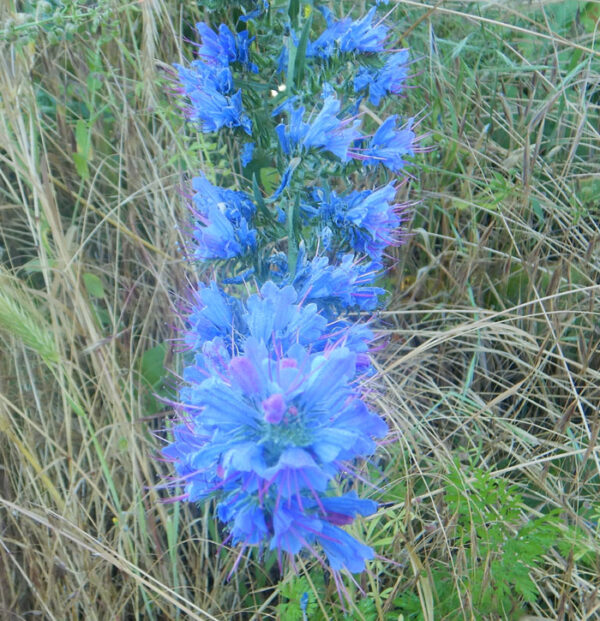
(493, 362)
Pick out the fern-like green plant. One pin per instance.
(502, 551)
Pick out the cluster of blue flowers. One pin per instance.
(272, 413)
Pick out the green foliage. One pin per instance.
(366, 611)
(500, 546)
(301, 603)
(59, 20)
(93, 285)
(154, 377)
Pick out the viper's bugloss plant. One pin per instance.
(273, 411)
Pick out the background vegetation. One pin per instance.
(490, 487)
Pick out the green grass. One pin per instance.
(490, 493)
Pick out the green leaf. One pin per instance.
(563, 14)
(93, 285)
(294, 11)
(82, 137)
(269, 179)
(292, 52)
(258, 198)
(590, 15)
(81, 157)
(152, 364)
(293, 217)
(81, 165)
(34, 266)
(301, 53)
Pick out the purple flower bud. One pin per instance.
(274, 408)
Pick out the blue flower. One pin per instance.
(243, 55)
(247, 153)
(199, 77)
(269, 433)
(324, 45)
(326, 132)
(199, 484)
(295, 528)
(209, 92)
(286, 105)
(224, 48)
(272, 410)
(293, 134)
(215, 236)
(348, 35)
(214, 314)
(389, 79)
(275, 314)
(367, 220)
(271, 420)
(222, 230)
(388, 146)
(285, 181)
(362, 36)
(235, 204)
(335, 288)
(344, 551)
(247, 519)
(208, 83)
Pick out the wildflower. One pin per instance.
(247, 520)
(199, 484)
(270, 433)
(388, 146)
(295, 528)
(362, 36)
(247, 153)
(275, 314)
(224, 48)
(326, 132)
(285, 180)
(286, 105)
(272, 404)
(215, 237)
(222, 229)
(324, 45)
(292, 135)
(349, 36)
(209, 92)
(214, 314)
(367, 220)
(389, 79)
(335, 288)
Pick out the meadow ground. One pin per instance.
(490, 490)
